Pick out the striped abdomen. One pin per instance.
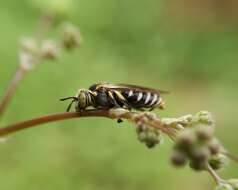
(140, 100)
(128, 99)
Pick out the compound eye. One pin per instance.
(93, 87)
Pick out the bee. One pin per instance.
(107, 95)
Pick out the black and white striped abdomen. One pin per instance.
(137, 99)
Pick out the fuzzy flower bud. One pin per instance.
(214, 146)
(178, 158)
(71, 36)
(150, 136)
(198, 166)
(200, 154)
(28, 54)
(218, 162)
(205, 117)
(204, 133)
(185, 141)
(49, 50)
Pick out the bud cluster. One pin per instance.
(189, 121)
(199, 148)
(33, 51)
(71, 37)
(148, 135)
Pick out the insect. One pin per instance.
(107, 95)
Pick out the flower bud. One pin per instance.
(29, 54)
(185, 141)
(214, 147)
(142, 136)
(178, 158)
(204, 133)
(49, 50)
(218, 162)
(200, 154)
(152, 139)
(205, 117)
(198, 166)
(149, 136)
(71, 36)
(29, 45)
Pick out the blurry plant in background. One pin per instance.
(35, 50)
(189, 42)
(59, 8)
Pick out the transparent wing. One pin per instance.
(126, 86)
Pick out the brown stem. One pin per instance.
(11, 89)
(214, 175)
(44, 24)
(111, 114)
(50, 118)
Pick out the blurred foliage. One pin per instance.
(189, 48)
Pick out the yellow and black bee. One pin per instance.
(107, 95)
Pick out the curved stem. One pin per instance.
(50, 118)
(44, 23)
(107, 113)
(11, 89)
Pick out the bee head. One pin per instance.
(83, 99)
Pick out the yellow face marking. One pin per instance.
(119, 95)
(82, 99)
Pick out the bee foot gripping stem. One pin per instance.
(117, 113)
(119, 121)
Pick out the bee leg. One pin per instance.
(140, 109)
(119, 121)
(113, 101)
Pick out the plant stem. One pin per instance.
(107, 113)
(49, 118)
(11, 89)
(45, 21)
(44, 24)
(231, 156)
(214, 175)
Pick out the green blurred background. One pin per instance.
(188, 47)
